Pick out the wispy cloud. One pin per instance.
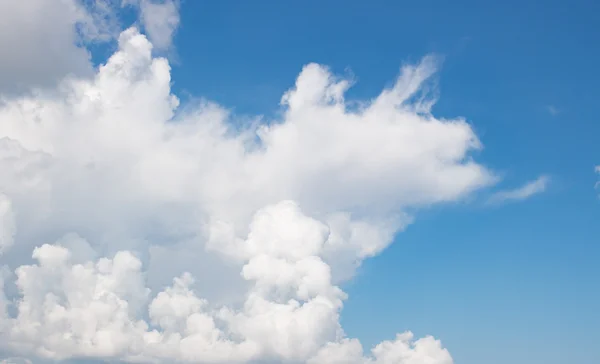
(160, 20)
(531, 188)
(552, 110)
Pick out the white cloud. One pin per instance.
(160, 19)
(291, 311)
(269, 220)
(531, 188)
(404, 349)
(597, 169)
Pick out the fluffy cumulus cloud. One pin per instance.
(145, 232)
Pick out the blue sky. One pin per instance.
(517, 283)
(504, 273)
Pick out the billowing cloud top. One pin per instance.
(116, 191)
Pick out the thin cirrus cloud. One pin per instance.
(140, 231)
(552, 110)
(524, 192)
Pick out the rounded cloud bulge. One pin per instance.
(134, 231)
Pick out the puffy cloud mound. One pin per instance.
(290, 313)
(118, 191)
(404, 349)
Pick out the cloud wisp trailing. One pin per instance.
(135, 231)
(160, 20)
(552, 110)
(524, 192)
